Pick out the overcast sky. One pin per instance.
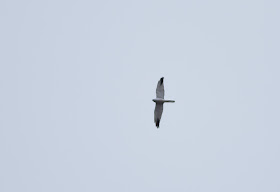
(77, 79)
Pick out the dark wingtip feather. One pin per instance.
(157, 123)
(161, 80)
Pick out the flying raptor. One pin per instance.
(159, 101)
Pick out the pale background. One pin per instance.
(77, 83)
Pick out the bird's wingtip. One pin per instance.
(161, 80)
(157, 123)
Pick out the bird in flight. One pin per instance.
(159, 100)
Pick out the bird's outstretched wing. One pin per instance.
(158, 113)
(160, 89)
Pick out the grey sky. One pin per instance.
(77, 80)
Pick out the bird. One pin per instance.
(159, 100)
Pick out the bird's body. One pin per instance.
(159, 100)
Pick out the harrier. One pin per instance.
(159, 102)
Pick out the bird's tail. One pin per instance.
(169, 101)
